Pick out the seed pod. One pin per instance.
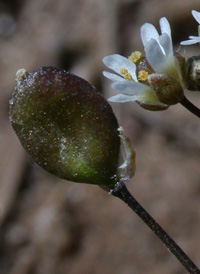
(66, 125)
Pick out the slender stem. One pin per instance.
(120, 191)
(189, 106)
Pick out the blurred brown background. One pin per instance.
(51, 226)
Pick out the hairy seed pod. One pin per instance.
(66, 125)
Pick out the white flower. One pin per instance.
(131, 90)
(159, 48)
(193, 39)
(159, 54)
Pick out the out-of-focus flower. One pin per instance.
(153, 81)
(193, 39)
(193, 73)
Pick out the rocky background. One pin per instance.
(51, 226)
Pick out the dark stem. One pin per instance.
(189, 106)
(120, 191)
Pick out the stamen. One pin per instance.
(123, 71)
(135, 56)
(142, 75)
(126, 74)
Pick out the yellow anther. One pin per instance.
(142, 75)
(127, 76)
(123, 71)
(135, 56)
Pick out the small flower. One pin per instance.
(193, 39)
(126, 82)
(133, 75)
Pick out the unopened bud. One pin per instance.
(167, 89)
(193, 66)
(182, 67)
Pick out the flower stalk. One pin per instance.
(120, 191)
(189, 106)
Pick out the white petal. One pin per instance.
(135, 92)
(129, 87)
(121, 98)
(165, 26)
(195, 38)
(112, 76)
(190, 42)
(116, 62)
(155, 55)
(196, 15)
(148, 31)
(166, 43)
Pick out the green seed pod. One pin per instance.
(167, 89)
(66, 125)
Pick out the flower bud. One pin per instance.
(167, 89)
(66, 125)
(182, 67)
(193, 67)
